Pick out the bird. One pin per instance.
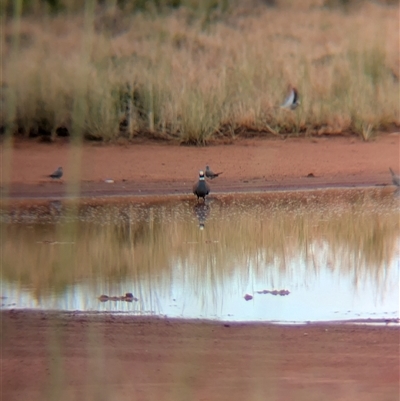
(57, 174)
(201, 189)
(210, 174)
(395, 178)
(292, 100)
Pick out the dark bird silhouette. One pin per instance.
(292, 100)
(57, 174)
(395, 178)
(210, 174)
(201, 189)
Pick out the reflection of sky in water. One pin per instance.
(320, 289)
(325, 295)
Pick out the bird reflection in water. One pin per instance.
(202, 211)
(55, 208)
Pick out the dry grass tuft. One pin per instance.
(190, 72)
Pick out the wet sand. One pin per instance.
(99, 356)
(160, 169)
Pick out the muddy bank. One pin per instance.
(80, 356)
(160, 169)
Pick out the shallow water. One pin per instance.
(330, 255)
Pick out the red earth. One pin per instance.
(157, 168)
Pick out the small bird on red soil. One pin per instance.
(57, 174)
(201, 189)
(210, 174)
(395, 178)
(292, 100)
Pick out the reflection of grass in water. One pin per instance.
(146, 244)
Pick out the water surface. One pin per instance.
(332, 254)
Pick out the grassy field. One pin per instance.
(194, 72)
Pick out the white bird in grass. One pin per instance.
(292, 100)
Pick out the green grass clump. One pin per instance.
(194, 71)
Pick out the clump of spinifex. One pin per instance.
(193, 73)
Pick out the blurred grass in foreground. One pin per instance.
(196, 71)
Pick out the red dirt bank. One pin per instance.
(82, 357)
(247, 165)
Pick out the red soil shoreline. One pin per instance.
(161, 169)
(137, 358)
